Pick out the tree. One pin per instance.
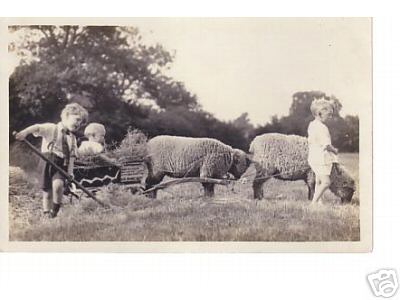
(107, 69)
(182, 122)
(242, 123)
(352, 134)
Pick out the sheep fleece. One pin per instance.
(275, 153)
(185, 156)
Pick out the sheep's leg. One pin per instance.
(263, 173)
(209, 169)
(208, 189)
(258, 182)
(311, 191)
(151, 181)
(258, 188)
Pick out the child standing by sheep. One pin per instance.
(321, 153)
(59, 146)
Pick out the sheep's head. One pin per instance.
(342, 183)
(240, 163)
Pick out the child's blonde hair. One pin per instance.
(94, 128)
(321, 104)
(75, 109)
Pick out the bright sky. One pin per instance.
(255, 65)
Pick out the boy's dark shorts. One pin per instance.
(47, 173)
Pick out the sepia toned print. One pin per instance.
(175, 134)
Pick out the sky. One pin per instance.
(255, 65)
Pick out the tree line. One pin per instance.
(122, 82)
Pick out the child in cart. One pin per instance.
(94, 146)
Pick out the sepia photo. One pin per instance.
(188, 134)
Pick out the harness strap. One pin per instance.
(50, 146)
(72, 155)
(73, 147)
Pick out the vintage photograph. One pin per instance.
(195, 130)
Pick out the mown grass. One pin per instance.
(180, 213)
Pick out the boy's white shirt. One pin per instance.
(46, 132)
(318, 138)
(90, 148)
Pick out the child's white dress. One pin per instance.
(320, 159)
(90, 148)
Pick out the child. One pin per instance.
(95, 133)
(321, 153)
(59, 146)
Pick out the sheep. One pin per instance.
(285, 157)
(192, 157)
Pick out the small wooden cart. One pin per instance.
(93, 173)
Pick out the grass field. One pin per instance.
(180, 213)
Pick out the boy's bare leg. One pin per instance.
(58, 191)
(47, 201)
(323, 183)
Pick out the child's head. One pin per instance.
(322, 109)
(74, 116)
(95, 132)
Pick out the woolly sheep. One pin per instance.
(192, 157)
(285, 157)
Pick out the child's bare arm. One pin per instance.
(27, 131)
(330, 148)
